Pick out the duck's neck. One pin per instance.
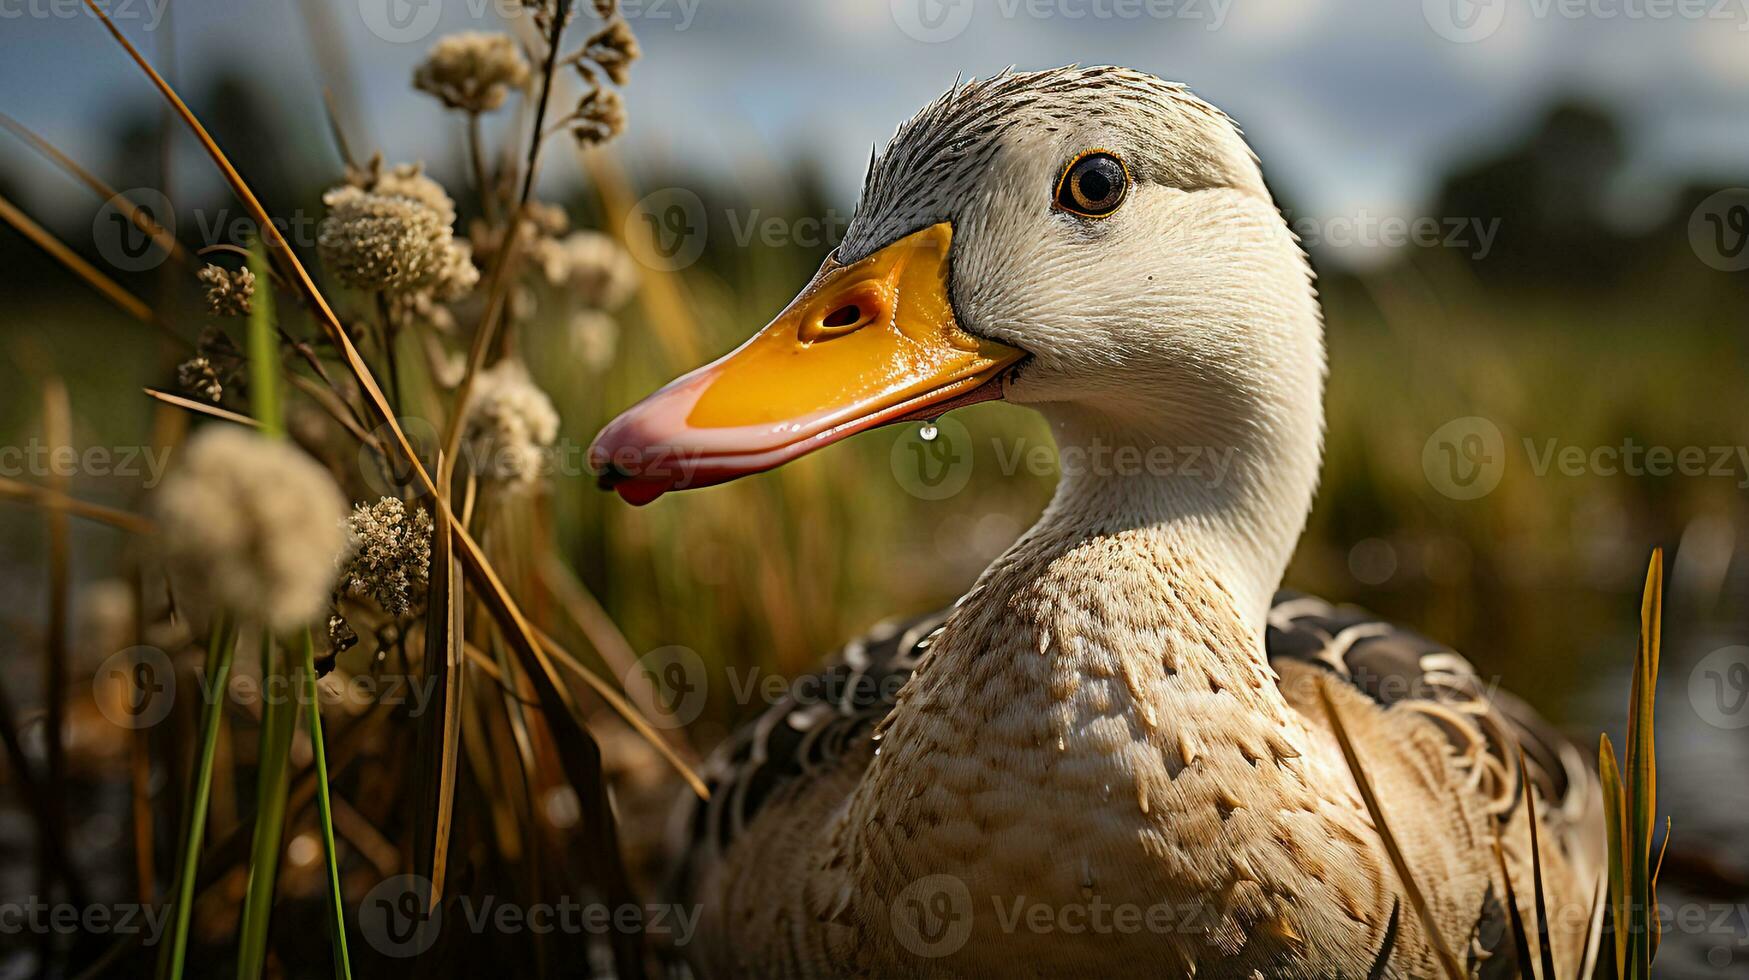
(1233, 500)
(1117, 646)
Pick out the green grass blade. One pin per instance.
(221, 646)
(1641, 773)
(277, 725)
(264, 396)
(1630, 798)
(325, 811)
(1610, 774)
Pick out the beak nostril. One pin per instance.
(843, 316)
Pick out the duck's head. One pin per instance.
(1093, 241)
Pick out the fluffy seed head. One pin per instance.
(200, 378)
(592, 266)
(391, 231)
(473, 71)
(227, 291)
(252, 525)
(376, 242)
(614, 48)
(600, 116)
(391, 559)
(510, 423)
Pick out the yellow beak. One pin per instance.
(863, 345)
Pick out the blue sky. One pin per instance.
(1355, 105)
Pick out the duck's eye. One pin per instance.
(1094, 185)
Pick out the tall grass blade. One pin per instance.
(1545, 950)
(221, 648)
(1630, 798)
(264, 383)
(325, 811)
(201, 408)
(1514, 917)
(278, 722)
(441, 735)
(1447, 962)
(1642, 767)
(1609, 773)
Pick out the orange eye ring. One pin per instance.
(1094, 184)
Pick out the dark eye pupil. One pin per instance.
(1094, 186)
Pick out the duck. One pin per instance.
(1113, 754)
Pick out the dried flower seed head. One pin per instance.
(600, 116)
(227, 291)
(593, 266)
(614, 49)
(391, 558)
(593, 337)
(252, 525)
(215, 364)
(376, 241)
(198, 378)
(458, 276)
(392, 230)
(510, 422)
(473, 71)
(408, 180)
